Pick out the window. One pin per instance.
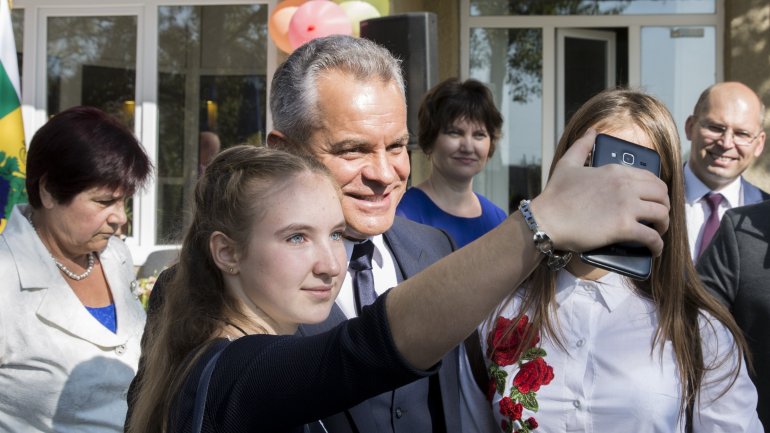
(92, 61)
(187, 77)
(677, 64)
(590, 7)
(510, 60)
(533, 55)
(211, 95)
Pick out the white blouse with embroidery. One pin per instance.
(608, 379)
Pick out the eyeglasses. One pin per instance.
(716, 131)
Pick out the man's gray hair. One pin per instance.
(294, 93)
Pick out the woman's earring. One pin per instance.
(231, 270)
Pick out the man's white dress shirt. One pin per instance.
(383, 270)
(697, 209)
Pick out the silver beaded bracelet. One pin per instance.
(543, 242)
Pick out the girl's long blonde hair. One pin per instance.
(674, 286)
(230, 196)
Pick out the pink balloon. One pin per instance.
(317, 18)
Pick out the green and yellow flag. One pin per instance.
(13, 153)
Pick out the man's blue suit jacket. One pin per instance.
(751, 193)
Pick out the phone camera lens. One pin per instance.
(628, 158)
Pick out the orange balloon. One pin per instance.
(278, 24)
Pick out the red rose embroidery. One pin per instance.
(504, 344)
(532, 375)
(510, 408)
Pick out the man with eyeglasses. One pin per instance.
(734, 266)
(726, 135)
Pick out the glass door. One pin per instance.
(585, 66)
(510, 62)
(212, 94)
(90, 59)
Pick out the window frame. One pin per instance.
(33, 76)
(549, 26)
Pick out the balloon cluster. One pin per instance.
(294, 22)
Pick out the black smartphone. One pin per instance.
(631, 259)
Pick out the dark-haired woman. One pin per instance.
(459, 129)
(69, 344)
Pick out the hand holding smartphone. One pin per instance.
(627, 258)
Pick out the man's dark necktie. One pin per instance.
(363, 279)
(713, 200)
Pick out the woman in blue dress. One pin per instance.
(459, 129)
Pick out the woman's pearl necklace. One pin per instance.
(64, 269)
(74, 276)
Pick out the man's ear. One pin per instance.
(277, 140)
(761, 144)
(224, 252)
(688, 124)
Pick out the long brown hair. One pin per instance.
(229, 197)
(674, 286)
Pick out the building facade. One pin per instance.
(192, 77)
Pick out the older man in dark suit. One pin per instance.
(736, 267)
(342, 101)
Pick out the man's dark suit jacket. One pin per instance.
(736, 267)
(405, 410)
